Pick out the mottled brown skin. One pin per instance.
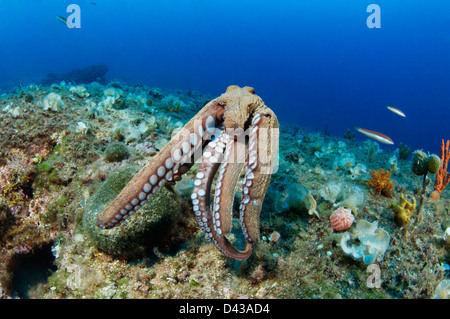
(247, 136)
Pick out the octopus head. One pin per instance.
(240, 104)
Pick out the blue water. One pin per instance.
(315, 63)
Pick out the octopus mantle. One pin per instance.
(232, 133)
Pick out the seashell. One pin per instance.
(275, 236)
(341, 219)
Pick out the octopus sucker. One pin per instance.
(232, 133)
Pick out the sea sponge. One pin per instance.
(403, 210)
(433, 163)
(422, 164)
(365, 242)
(381, 183)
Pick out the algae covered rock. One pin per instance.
(365, 242)
(116, 152)
(5, 216)
(143, 229)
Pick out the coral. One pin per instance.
(341, 219)
(155, 217)
(403, 151)
(53, 102)
(381, 183)
(403, 210)
(116, 152)
(366, 242)
(442, 177)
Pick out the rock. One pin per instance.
(116, 152)
(143, 229)
(5, 216)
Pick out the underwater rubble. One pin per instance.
(68, 146)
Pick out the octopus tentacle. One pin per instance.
(258, 169)
(228, 176)
(167, 166)
(210, 219)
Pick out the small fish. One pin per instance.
(375, 135)
(64, 20)
(93, 3)
(396, 111)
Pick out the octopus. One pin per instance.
(235, 135)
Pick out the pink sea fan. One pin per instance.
(341, 219)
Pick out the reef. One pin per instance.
(92, 73)
(65, 156)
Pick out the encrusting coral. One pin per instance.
(442, 177)
(403, 210)
(381, 183)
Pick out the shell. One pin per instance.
(275, 236)
(341, 219)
